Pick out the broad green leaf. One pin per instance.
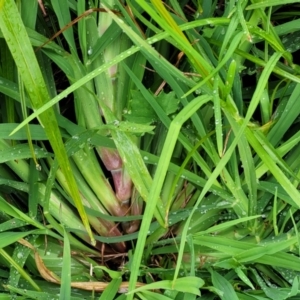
(140, 111)
(223, 285)
(37, 132)
(244, 277)
(8, 238)
(187, 284)
(111, 290)
(21, 151)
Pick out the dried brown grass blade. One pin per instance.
(97, 286)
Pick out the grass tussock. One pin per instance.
(149, 149)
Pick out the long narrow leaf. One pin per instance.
(159, 177)
(20, 47)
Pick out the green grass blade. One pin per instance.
(124, 55)
(28, 294)
(187, 284)
(233, 45)
(158, 180)
(168, 23)
(20, 256)
(110, 292)
(19, 269)
(223, 226)
(260, 88)
(244, 277)
(218, 118)
(33, 191)
(135, 164)
(274, 169)
(61, 8)
(288, 116)
(65, 288)
(267, 3)
(20, 47)
(147, 295)
(14, 212)
(8, 238)
(223, 285)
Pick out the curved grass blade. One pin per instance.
(255, 100)
(19, 269)
(264, 4)
(18, 41)
(124, 55)
(223, 285)
(159, 177)
(189, 284)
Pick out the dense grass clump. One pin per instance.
(149, 149)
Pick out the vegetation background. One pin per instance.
(149, 149)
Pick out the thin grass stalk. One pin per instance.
(108, 85)
(239, 194)
(88, 115)
(36, 40)
(136, 208)
(93, 174)
(7, 71)
(210, 231)
(169, 145)
(101, 226)
(172, 184)
(132, 157)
